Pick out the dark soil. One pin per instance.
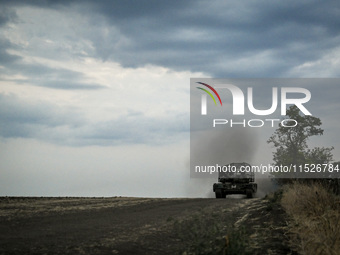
(135, 225)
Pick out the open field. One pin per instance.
(121, 225)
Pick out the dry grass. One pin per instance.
(30, 206)
(316, 215)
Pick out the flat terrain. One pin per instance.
(121, 225)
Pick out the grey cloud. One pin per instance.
(38, 74)
(136, 129)
(69, 126)
(39, 3)
(19, 118)
(68, 85)
(7, 15)
(5, 57)
(228, 39)
(223, 34)
(44, 76)
(56, 78)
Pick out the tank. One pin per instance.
(235, 178)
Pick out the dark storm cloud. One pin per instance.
(213, 36)
(39, 3)
(7, 15)
(219, 38)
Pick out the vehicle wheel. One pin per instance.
(218, 193)
(249, 193)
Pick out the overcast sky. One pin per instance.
(94, 95)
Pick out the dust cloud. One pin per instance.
(265, 184)
(220, 147)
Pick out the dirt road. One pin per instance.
(137, 225)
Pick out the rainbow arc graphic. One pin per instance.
(209, 93)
